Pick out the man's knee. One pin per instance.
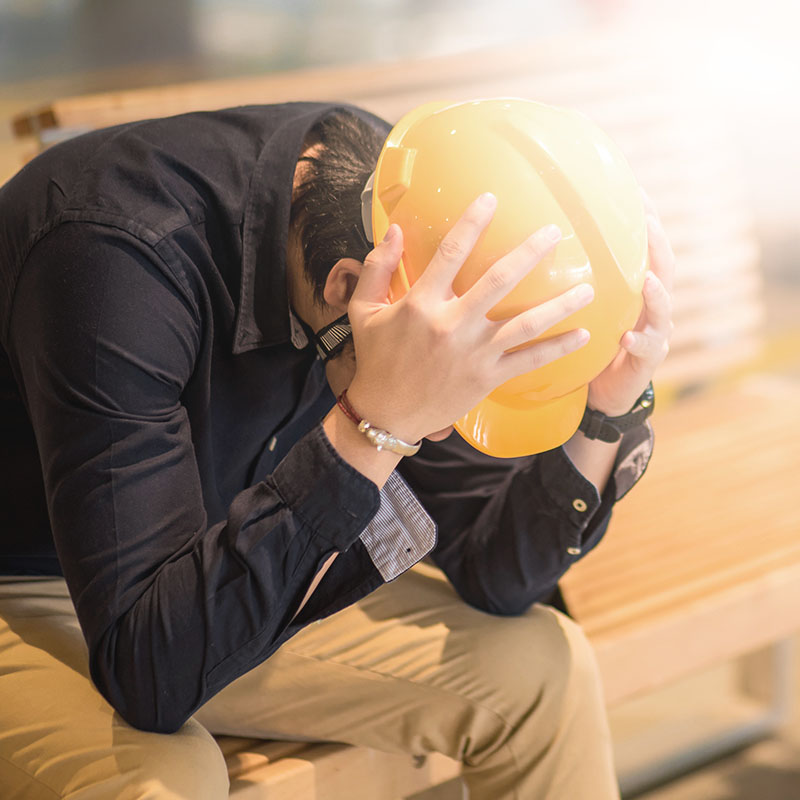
(574, 656)
(537, 719)
(537, 663)
(185, 765)
(129, 764)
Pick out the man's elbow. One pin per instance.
(143, 704)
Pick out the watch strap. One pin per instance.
(596, 425)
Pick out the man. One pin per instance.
(161, 285)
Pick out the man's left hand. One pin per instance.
(615, 390)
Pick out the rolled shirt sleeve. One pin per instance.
(401, 533)
(508, 529)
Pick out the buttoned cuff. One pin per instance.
(575, 497)
(632, 459)
(578, 498)
(327, 494)
(401, 533)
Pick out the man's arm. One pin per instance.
(509, 530)
(172, 607)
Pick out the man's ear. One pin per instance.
(341, 283)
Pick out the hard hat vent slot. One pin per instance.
(397, 164)
(563, 191)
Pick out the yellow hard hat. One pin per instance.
(544, 165)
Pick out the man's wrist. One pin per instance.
(611, 428)
(379, 438)
(382, 412)
(354, 448)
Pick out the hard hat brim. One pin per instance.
(506, 431)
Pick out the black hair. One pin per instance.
(326, 204)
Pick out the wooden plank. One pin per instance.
(722, 626)
(243, 755)
(563, 66)
(31, 123)
(286, 779)
(710, 451)
(702, 561)
(329, 771)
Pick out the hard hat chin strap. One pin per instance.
(332, 338)
(366, 209)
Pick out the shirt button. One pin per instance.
(579, 505)
(574, 551)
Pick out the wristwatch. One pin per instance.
(596, 425)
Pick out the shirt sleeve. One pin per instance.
(401, 533)
(172, 608)
(508, 529)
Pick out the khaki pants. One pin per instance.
(409, 669)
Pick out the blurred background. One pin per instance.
(742, 55)
(733, 63)
(701, 96)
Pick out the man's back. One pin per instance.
(147, 340)
(184, 196)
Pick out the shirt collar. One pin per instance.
(263, 317)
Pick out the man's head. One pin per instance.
(327, 245)
(339, 155)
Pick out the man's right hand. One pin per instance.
(425, 360)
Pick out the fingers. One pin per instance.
(507, 272)
(658, 304)
(456, 246)
(651, 342)
(662, 259)
(521, 361)
(649, 350)
(379, 265)
(649, 205)
(533, 323)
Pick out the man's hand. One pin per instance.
(424, 361)
(616, 388)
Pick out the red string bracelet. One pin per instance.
(377, 437)
(347, 409)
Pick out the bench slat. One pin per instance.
(715, 522)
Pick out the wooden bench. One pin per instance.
(702, 560)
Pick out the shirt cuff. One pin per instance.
(324, 491)
(401, 532)
(633, 457)
(574, 496)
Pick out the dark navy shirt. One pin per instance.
(161, 437)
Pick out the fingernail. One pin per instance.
(552, 232)
(488, 199)
(583, 336)
(391, 233)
